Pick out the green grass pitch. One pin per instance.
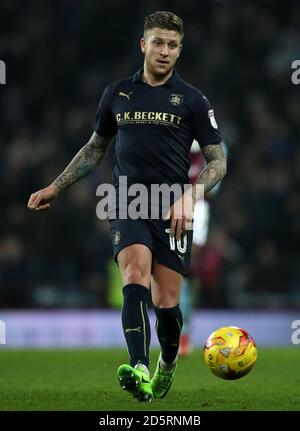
(86, 380)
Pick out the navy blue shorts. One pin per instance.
(154, 234)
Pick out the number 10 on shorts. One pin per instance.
(180, 243)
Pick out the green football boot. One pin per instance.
(162, 380)
(136, 381)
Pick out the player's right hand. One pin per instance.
(40, 199)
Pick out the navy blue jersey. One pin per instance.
(155, 128)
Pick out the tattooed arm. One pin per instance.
(83, 163)
(215, 168)
(181, 212)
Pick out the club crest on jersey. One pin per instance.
(176, 99)
(212, 118)
(117, 237)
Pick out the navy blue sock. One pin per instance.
(135, 323)
(168, 329)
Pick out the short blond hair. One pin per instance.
(165, 20)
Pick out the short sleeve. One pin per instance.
(204, 122)
(105, 124)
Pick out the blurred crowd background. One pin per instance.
(60, 55)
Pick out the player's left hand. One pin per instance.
(181, 214)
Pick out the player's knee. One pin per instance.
(167, 299)
(136, 275)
